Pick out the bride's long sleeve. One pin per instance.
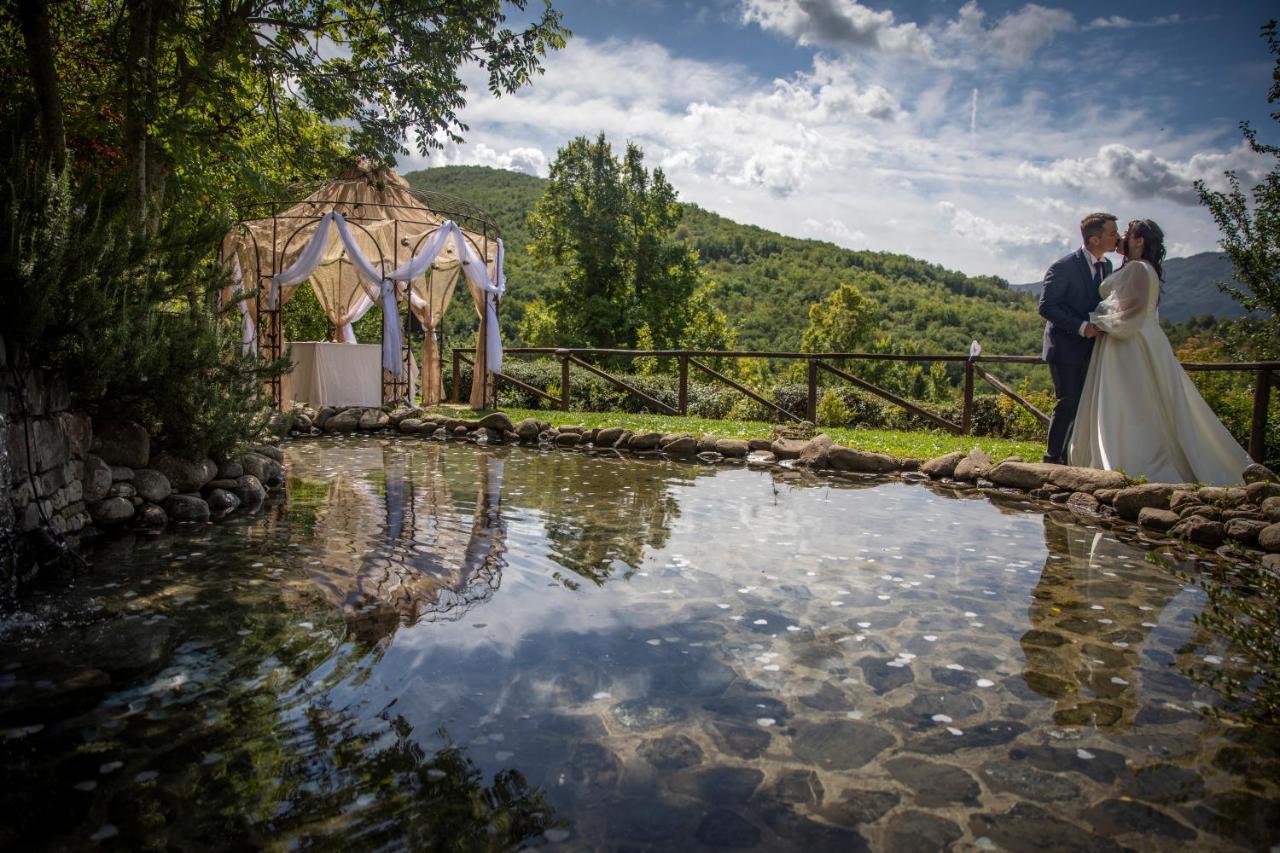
(1123, 311)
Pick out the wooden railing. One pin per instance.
(1264, 381)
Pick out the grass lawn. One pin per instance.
(917, 445)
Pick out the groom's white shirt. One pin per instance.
(1096, 259)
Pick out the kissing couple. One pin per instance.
(1124, 403)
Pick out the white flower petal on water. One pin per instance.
(603, 694)
(985, 682)
(765, 722)
(940, 718)
(954, 731)
(654, 642)
(930, 638)
(1084, 754)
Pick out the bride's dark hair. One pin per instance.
(1152, 243)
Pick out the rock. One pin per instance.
(734, 448)
(1270, 509)
(151, 485)
(323, 416)
(839, 744)
(229, 470)
(1027, 828)
(645, 441)
(848, 459)
(186, 508)
(1212, 494)
(374, 419)
(642, 715)
(122, 443)
(78, 428)
(1245, 530)
(249, 490)
(496, 420)
(935, 785)
(685, 445)
(221, 501)
(1021, 475)
(760, 444)
(151, 517)
(761, 457)
(1129, 502)
(707, 444)
(1269, 538)
(183, 474)
(410, 425)
(981, 736)
(97, 479)
(577, 429)
(881, 677)
(269, 472)
(724, 785)
(973, 466)
(787, 448)
(815, 451)
(1117, 817)
(399, 416)
(121, 490)
(1271, 562)
(920, 832)
(121, 474)
(1201, 531)
(1179, 500)
(111, 511)
(1157, 519)
(126, 646)
(527, 429)
(607, 437)
(802, 833)
(671, 753)
(858, 805)
(1261, 490)
(744, 741)
(1165, 783)
(942, 466)
(302, 424)
(568, 439)
(798, 786)
(1083, 502)
(1029, 783)
(1106, 496)
(1086, 479)
(268, 450)
(1259, 473)
(347, 420)
(1202, 510)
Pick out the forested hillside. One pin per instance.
(766, 281)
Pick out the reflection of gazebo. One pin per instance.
(368, 238)
(420, 558)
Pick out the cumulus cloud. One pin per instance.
(1024, 246)
(837, 23)
(529, 160)
(848, 25)
(835, 230)
(1143, 174)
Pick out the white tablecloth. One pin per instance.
(335, 374)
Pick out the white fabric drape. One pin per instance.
(248, 331)
(381, 286)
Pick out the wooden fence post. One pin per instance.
(966, 417)
(457, 376)
(812, 407)
(684, 385)
(564, 380)
(1258, 429)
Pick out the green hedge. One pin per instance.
(591, 393)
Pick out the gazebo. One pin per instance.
(366, 238)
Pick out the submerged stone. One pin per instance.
(839, 744)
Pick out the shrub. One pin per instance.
(832, 410)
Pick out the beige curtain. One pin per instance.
(433, 293)
(478, 373)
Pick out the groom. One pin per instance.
(1069, 293)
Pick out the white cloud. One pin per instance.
(847, 25)
(835, 230)
(1119, 22)
(837, 23)
(1143, 174)
(529, 160)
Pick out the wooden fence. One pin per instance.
(1264, 380)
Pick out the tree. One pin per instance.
(1250, 227)
(839, 323)
(174, 89)
(609, 224)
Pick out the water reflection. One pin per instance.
(450, 646)
(1091, 613)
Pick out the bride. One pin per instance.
(1139, 411)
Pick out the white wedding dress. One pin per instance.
(1139, 411)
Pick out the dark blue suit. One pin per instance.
(1067, 296)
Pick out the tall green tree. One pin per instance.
(186, 90)
(609, 224)
(1250, 226)
(841, 322)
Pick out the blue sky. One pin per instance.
(974, 135)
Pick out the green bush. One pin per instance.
(832, 410)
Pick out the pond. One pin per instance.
(457, 647)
